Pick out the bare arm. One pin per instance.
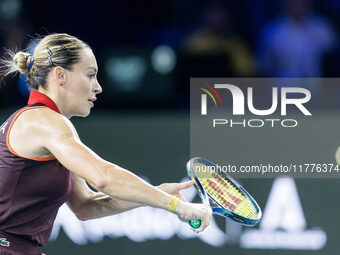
(87, 204)
(57, 135)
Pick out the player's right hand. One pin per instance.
(191, 211)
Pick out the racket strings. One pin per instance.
(227, 194)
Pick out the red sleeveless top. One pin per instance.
(31, 189)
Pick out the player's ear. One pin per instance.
(59, 75)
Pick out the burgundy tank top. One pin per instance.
(31, 189)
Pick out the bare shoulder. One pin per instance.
(34, 128)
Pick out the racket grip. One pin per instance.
(195, 223)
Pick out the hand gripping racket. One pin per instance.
(223, 194)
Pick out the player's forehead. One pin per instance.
(87, 59)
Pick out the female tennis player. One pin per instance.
(43, 162)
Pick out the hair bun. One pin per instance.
(22, 61)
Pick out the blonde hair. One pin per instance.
(53, 50)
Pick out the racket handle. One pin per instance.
(195, 223)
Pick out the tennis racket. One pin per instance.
(223, 194)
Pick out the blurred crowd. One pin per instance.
(258, 38)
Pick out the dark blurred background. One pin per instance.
(147, 50)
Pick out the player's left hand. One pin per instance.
(174, 188)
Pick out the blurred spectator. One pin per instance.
(12, 36)
(293, 45)
(11, 27)
(214, 37)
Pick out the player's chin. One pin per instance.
(84, 112)
(87, 113)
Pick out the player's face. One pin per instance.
(82, 85)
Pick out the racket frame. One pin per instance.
(216, 207)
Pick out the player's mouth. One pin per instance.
(92, 101)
